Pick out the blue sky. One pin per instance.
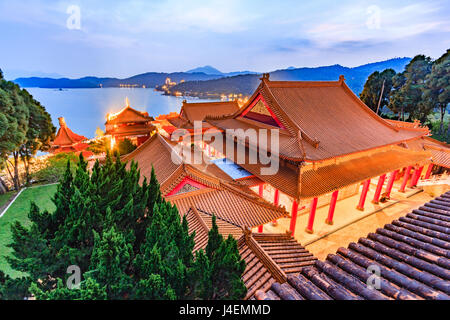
(123, 38)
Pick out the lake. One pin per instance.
(86, 109)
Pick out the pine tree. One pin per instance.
(218, 270)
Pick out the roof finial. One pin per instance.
(127, 103)
(341, 78)
(62, 122)
(265, 76)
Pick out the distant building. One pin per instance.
(68, 141)
(129, 123)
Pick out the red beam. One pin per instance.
(430, 168)
(293, 217)
(391, 183)
(376, 197)
(334, 196)
(405, 179)
(362, 199)
(312, 215)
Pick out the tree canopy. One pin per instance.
(373, 87)
(25, 128)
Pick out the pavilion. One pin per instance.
(68, 141)
(130, 124)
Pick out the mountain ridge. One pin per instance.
(202, 83)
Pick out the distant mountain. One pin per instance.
(149, 79)
(209, 81)
(11, 74)
(213, 71)
(206, 70)
(246, 84)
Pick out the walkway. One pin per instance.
(345, 214)
(351, 233)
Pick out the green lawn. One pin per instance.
(5, 197)
(41, 195)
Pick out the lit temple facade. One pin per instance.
(130, 124)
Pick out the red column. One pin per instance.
(391, 183)
(293, 217)
(430, 168)
(276, 197)
(276, 200)
(260, 229)
(418, 175)
(261, 190)
(334, 196)
(405, 179)
(413, 177)
(376, 197)
(362, 199)
(312, 215)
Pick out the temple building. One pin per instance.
(329, 144)
(194, 111)
(68, 141)
(130, 124)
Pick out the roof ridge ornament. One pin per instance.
(341, 79)
(265, 76)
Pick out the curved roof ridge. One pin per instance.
(365, 107)
(254, 198)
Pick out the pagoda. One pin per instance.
(130, 124)
(68, 141)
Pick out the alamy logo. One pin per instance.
(374, 19)
(73, 281)
(73, 22)
(240, 146)
(374, 280)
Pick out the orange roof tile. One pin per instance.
(199, 110)
(226, 199)
(128, 114)
(65, 136)
(440, 151)
(324, 119)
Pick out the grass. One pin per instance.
(41, 195)
(5, 197)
